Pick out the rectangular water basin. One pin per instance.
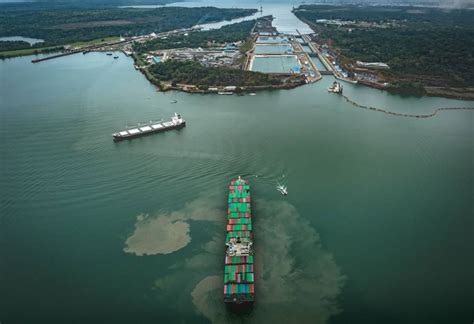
(274, 64)
(274, 49)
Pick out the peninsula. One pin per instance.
(218, 60)
(64, 27)
(407, 50)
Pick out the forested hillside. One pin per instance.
(229, 33)
(427, 45)
(61, 24)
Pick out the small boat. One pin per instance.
(173, 101)
(282, 189)
(335, 88)
(109, 54)
(116, 57)
(252, 94)
(225, 93)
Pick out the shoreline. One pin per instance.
(466, 93)
(448, 93)
(192, 88)
(55, 48)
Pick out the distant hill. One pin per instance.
(455, 4)
(95, 2)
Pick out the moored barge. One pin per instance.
(239, 280)
(152, 127)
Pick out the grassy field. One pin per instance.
(96, 41)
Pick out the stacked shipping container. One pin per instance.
(239, 286)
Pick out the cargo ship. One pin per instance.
(239, 280)
(152, 127)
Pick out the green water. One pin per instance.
(271, 40)
(274, 64)
(273, 49)
(318, 63)
(377, 226)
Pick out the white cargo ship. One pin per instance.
(152, 127)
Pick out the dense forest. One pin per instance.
(194, 73)
(105, 2)
(61, 24)
(13, 45)
(226, 34)
(427, 45)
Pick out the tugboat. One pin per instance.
(335, 88)
(109, 54)
(116, 57)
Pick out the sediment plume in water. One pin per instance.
(296, 279)
(161, 235)
(168, 232)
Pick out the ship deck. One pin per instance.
(239, 278)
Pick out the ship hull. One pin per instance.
(153, 131)
(241, 308)
(239, 279)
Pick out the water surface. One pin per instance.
(31, 41)
(318, 63)
(273, 49)
(285, 21)
(377, 226)
(274, 63)
(307, 49)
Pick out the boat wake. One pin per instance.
(282, 189)
(301, 276)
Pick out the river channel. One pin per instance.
(377, 226)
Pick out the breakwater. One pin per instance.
(357, 105)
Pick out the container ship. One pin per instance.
(152, 127)
(239, 286)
